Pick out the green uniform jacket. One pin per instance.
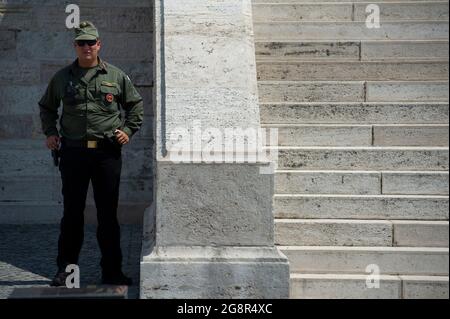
(91, 100)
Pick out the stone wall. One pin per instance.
(34, 44)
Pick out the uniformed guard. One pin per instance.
(90, 138)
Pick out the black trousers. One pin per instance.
(79, 166)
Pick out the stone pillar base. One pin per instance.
(214, 272)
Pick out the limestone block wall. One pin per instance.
(34, 44)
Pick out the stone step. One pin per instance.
(351, 71)
(302, 11)
(347, 11)
(310, 91)
(415, 183)
(354, 232)
(308, 50)
(384, 50)
(430, 10)
(362, 158)
(333, 232)
(350, 30)
(410, 135)
(327, 182)
(344, 286)
(320, 135)
(327, 206)
(410, 233)
(361, 182)
(425, 287)
(353, 91)
(357, 135)
(355, 113)
(407, 91)
(353, 50)
(355, 260)
(50, 212)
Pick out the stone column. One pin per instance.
(209, 232)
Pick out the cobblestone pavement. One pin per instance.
(28, 255)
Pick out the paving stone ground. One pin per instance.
(28, 254)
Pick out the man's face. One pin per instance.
(87, 50)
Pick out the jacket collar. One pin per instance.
(101, 66)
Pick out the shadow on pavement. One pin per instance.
(28, 256)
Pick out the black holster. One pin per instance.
(55, 156)
(112, 143)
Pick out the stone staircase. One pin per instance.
(362, 116)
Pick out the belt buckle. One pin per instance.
(92, 144)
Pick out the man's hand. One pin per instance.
(53, 142)
(121, 137)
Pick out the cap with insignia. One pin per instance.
(86, 31)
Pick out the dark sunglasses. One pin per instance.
(90, 43)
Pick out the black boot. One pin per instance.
(116, 278)
(60, 279)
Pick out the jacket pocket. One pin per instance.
(109, 96)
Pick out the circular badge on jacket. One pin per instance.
(109, 97)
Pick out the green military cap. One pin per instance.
(86, 31)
